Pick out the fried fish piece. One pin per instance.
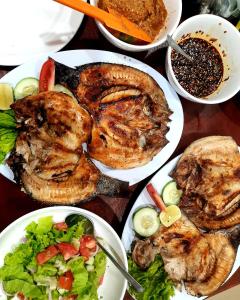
(209, 175)
(129, 111)
(201, 261)
(48, 160)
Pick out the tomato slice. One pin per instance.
(47, 76)
(62, 226)
(155, 197)
(46, 254)
(67, 250)
(20, 296)
(101, 280)
(88, 246)
(89, 242)
(65, 281)
(85, 252)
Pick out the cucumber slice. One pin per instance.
(146, 221)
(171, 194)
(26, 87)
(63, 89)
(6, 96)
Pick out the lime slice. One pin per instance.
(6, 96)
(170, 215)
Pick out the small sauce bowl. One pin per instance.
(226, 39)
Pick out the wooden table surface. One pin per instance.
(199, 121)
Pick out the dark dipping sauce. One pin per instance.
(201, 77)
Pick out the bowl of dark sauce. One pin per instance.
(213, 75)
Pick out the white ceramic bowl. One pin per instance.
(113, 286)
(227, 42)
(174, 9)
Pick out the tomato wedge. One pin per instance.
(155, 197)
(20, 296)
(46, 254)
(88, 246)
(62, 226)
(101, 280)
(65, 281)
(47, 76)
(67, 250)
(89, 242)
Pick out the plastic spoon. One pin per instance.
(121, 23)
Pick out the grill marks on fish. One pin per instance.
(202, 261)
(49, 160)
(207, 174)
(129, 110)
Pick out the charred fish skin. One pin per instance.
(49, 162)
(201, 261)
(208, 174)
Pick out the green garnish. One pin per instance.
(8, 133)
(155, 281)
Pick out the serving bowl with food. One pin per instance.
(185, 225)
(214, 74)
(51, 253)
(65, 152)
(157, 18)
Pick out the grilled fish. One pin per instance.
(129, 111)
(202, 261)
(209, 175)
(48, 160)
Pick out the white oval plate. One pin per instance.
(80, 57)
(158, 181)
(29, 28)
(113, 283)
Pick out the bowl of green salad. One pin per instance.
(52, 254)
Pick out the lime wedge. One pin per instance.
(6, 96)
(170, 215)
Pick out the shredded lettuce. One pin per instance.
(156, 284)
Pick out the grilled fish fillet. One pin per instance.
(48, 160)
(129, 111)
(209, 175)
(202, 261)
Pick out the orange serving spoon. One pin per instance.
(113, 20)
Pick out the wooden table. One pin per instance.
(199, 121)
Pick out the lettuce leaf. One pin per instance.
(7, 119)
(9, 272)
(157, 285)
(80, 274)
(100, 262)
(7, 139)
(29, 290)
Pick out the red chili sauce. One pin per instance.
(201, 77)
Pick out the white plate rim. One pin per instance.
(74, 58)
(67, 210)
(18, 59)
(144, 199)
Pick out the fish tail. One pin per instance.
(66, 76)
(112, 187)
(234, 235)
